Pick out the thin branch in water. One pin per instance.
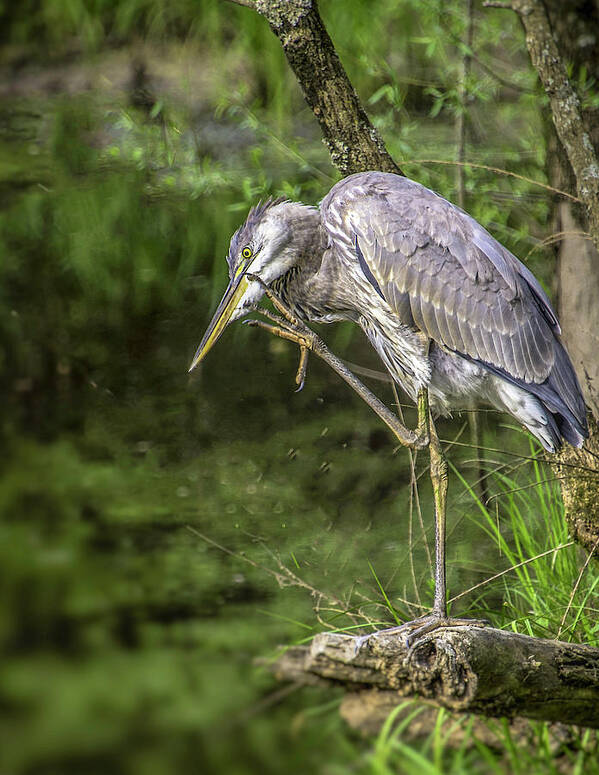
(284, 578)
(293, 579)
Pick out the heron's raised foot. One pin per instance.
(416, 629)
(288, 326)
(289, 332)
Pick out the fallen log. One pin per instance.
(478, 670)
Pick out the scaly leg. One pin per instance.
(418, 628)
(439, 481)
(438, 616)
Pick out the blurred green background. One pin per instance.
(160, 532)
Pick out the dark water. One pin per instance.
(159, 532)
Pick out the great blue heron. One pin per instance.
(455, 317)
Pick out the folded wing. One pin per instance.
(444, 274)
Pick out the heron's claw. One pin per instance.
(300, 377)
(413, 631)
(285, 331)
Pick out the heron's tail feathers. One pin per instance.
(553, 410)
(528, 410)
(562, 396)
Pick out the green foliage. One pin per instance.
(551, 596)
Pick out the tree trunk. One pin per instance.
(353, 142)
(575, 25)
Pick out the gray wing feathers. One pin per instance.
(445, 274)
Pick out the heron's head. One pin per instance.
(274, 238)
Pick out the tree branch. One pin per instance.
(565, 105)
(353, 142)
(467, 669)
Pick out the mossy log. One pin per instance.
(478, 670)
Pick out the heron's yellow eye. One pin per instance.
(247, 252)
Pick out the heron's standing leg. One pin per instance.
(438, 616)
(418, 628)
(439, 479)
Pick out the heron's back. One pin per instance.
(415, 265)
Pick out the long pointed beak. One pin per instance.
(225, 309)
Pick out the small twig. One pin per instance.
(500, 79)
(532, 458)
(483, 65)
(575, 588)
(509, 570)
(554, 238)
(363, 371)
(529, 486)
(499, 171)
(284, 577)
(497, 4)
(247, 3)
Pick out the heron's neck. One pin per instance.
(298, 287)
(314, 289)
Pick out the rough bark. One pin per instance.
(566, 110)
(464, 669)
(353, 142)
(558, 33)
(575, 25)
